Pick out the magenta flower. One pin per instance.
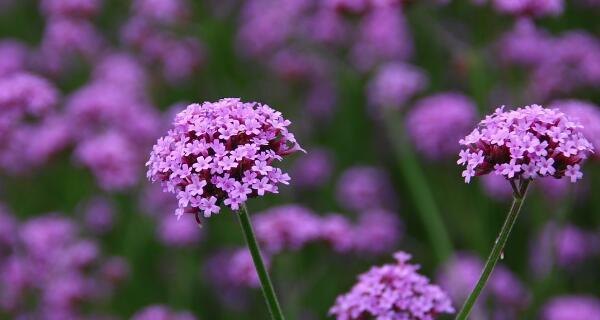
(226, 151)
(392, 291)
(524, 144)
(575, 307)
(437, 119)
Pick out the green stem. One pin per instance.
(418, 187)
(497, 250)
(265, 281)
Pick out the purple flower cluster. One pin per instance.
(313, 169)
(437, 119)
(161, 312)
(574, 307)
(362, 188)
(394, 84)
(27, 109)
(587, 113)
(291, 227)
(14, 57)
(392, 291)
(45, 258)
(235, 269)
(99, 215)
(566, 246)
(506, 293)
(222, 153)
(533, 8)
(525, 143)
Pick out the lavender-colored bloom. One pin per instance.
(438, 120)
(566, 246)
(573, 64)
(222, 153)
(394, 84)
(362, 188)
(234, 269)
(533, 8)
(178, 233)
(313, 169)
(71, 8)
(574, 307)
(525, 143)
(121, 69)
(524, 44)
(162, 11)
(587, 113)
(161, 312)
(383, 36)
(377, 231)
(13, 57)
(111, 158)
(295, 65)
(497, 188)
(338, 232)
(505, 291)
(286, 227)
(181, 58)
(99, 215)
(392, 291)
(25, 93)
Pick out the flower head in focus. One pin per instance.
(392, 291)
(524, 144)
(222, 153)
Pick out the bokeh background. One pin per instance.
(378, 92)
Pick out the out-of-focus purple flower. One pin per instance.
(534, 8)
(161, 312)
(163, 11)
(156, 203)
(294, 65)
(377, 231)
(555, 189)
(71, 8)
(437, 121)
(222, 153)
(99, 215)
(111, 158)
(394, 84)
(392, 291)
(121, 69)
(286, 227)
(25, 93)
(53, 135)
(313, 169)
(573, 64)
(362, 188)
(587, 113)
(383, 36)
(574, 307)
(506, 292)
(115, 270)
(338, 232)
(182, 58)
(234, 269)
(525, 143)
(326, 26)
(47, 236)
(524, 44)
(13, 57)
(177, 233)
(497, 187)
(566, 246)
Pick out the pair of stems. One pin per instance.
(497, 250)
(261, 270)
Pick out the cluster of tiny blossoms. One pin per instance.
(393, 291)
(221, 153)
(525, 143)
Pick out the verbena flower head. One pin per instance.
(377, 231)
(437, 119)
(392, 291)
(587, 113)
(573, 307)
(525, 143)
(394, 84)
(362, 188)
(222, 153)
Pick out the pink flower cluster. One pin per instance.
(291, 227)
(524, 144)
(392, 291)
(48, 271)
(222, 153)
